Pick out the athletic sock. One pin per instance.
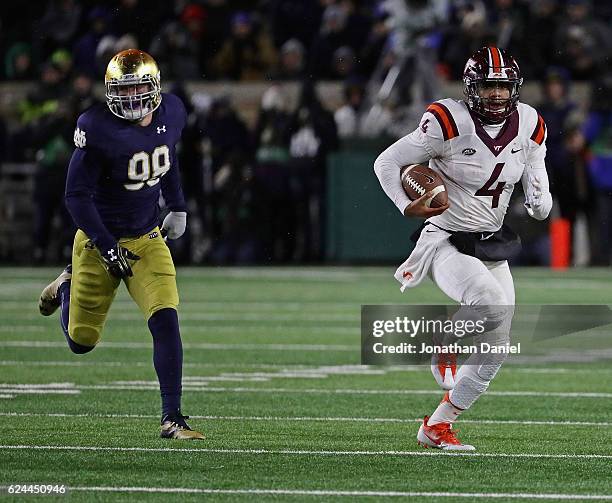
(167, 358)
(64, 295)
(445, 413)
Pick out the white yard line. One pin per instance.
(208, 305)
(188, 345)
(311, 418)
(242, 316)
(22, 328)
(39, 385)
(72, 388)
(300, 452)
(277, 329)
(508, 368)
(65, 388)
(320, 322)
(147, 364)
(336, 493)
(349, 348)
(347, 391)
(34, 391)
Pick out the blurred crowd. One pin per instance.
(257, 191)
(288, 39)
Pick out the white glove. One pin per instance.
(538, 203)
(174, 224)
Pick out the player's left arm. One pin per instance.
(424, 143)
(538, 199)
(175, 223)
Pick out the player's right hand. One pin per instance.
(116, 260)
(419, 208)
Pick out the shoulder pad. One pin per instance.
(534, 123)
(80, 132)
(440, 110)
(88, 123)
(176, 107)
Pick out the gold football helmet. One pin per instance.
(133, 86)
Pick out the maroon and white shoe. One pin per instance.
(440, 436)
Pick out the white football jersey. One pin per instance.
(479, 164)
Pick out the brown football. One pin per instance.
(418, 179)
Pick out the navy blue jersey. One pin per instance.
(118, 169)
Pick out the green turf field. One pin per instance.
(272, 378)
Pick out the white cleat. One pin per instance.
(440, 436)
(444, 369)
(49, 298)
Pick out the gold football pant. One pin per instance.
(93, 288)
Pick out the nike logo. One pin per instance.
(429, 178)
(429, 230)
(484, 238)
(515, 151)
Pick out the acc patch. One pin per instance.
(468, 151)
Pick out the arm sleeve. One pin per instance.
(171, 186)
(83, 175)
(418, 147)
(536, 169)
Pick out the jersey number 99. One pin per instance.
(147, 169)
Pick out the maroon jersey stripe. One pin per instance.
(539, 131)
(445, 119)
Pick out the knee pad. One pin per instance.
(488, 302)
(467, 390)
(85, 335)
(488, 369)
(474, 377)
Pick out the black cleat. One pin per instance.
(175, 426)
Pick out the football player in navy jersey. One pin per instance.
(124, 157)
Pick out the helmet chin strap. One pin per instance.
(502, 113)
(489, 121)
(481, 107)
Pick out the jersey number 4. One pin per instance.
(147, 169)
(486, 189)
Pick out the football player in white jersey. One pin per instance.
(481, 147)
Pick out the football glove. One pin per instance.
(116, 261)
(174, 224)
(538, 203)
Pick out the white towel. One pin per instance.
(417, 265)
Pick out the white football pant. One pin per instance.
(485, 289)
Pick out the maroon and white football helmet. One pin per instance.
(487, 67)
